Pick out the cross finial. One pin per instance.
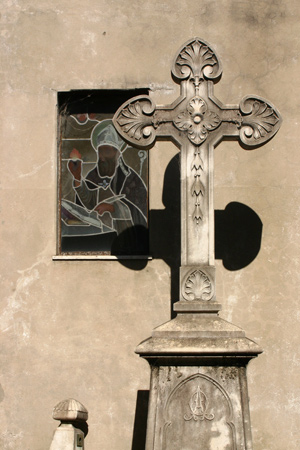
(197, 121)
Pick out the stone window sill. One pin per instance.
(98, 257)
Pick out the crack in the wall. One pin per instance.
(35, 170)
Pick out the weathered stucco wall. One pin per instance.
(69, 328)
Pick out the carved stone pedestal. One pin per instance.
(198, 393)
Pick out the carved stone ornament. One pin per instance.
(197, 121)
(197, 410)
(197, 285)
(193, 404)
(196, 61)
(138, 120)
(70, 409)
(260, 122)
(198, 407)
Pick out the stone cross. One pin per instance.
(197, 121)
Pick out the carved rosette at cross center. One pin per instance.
(197, 121)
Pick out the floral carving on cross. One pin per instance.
(197, 121)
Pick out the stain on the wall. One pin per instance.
(1, 394)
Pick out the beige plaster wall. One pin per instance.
(69, 329)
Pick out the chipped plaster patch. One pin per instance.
(15, 316)
(88, 38)
(9, 440)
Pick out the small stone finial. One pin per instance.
(70, 410)
(73, 428)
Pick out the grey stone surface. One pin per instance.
(71, 432)
(198, 393)
(199, 407)
(67, 437)
(71, 410)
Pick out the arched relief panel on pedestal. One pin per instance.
(198, 415)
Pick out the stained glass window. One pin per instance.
(103, 181)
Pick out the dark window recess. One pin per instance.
(103, 182)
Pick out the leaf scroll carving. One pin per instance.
(135, 121)
(197, 120)
(197, 286)
(195, 60)
(260, 121)
(198, 189)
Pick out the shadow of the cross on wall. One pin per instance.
(238, 231)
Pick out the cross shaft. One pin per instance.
(197, 122)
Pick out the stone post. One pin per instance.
(73, 428)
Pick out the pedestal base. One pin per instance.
(198, 394)
(198, 408)
(67, 437)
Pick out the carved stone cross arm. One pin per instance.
(197, 122)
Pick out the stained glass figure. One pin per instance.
(103, 205)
